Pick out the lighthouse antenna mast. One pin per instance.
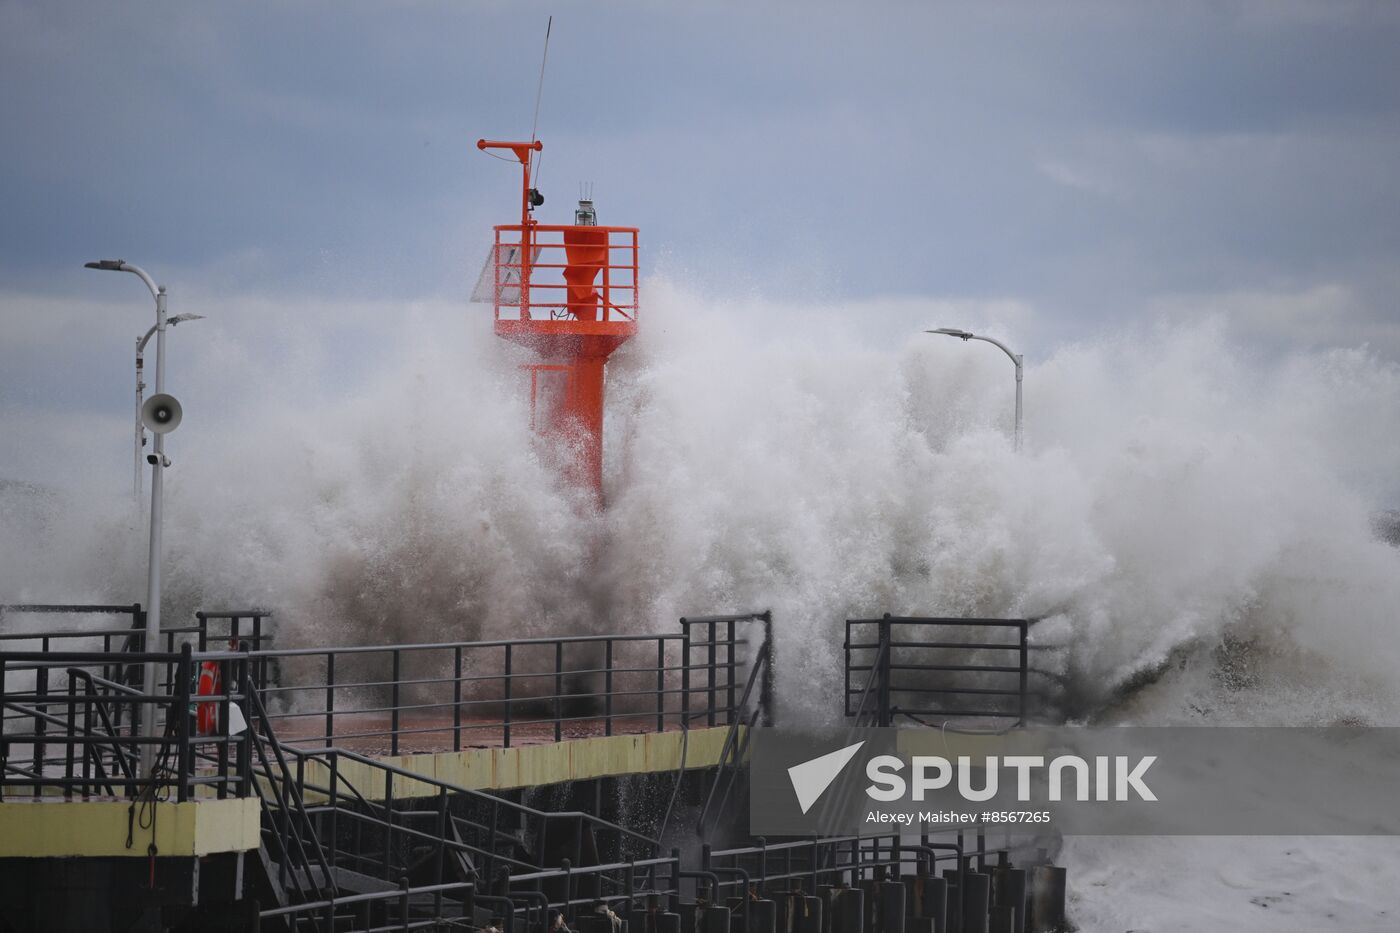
(528, 200)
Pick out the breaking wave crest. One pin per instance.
(1185, 517)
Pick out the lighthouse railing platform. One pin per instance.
(573, 274)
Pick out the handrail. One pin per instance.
(124, 759)
(818, 847)
(286, 794)
(348, 899)
(561, 228)
(474, 794)
(68, 609)
(521, 282)
(875, 667)
(731, 738)
(94, 679)
(389, 826)
(76, 633)
(988, 694)
(637, 682)
(426, 646)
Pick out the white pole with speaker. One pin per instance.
(160, 414)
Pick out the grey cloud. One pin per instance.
(1088, 159)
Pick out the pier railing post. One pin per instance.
(685, 673)
(4, 745)
(1025, 670)
(226, 685)
(732, 675)
(245, 742)
(711, 661)
(661, 685)
(41, 723)
(765, 690)
(394, 703)
(332, 797)
(180, 710)
(559, 690)
(882, 655)
(505, 716)
(330, 698)
(72, 737)
(457, 699)
(608, 687)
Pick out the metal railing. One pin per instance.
(69, 723)
(754, 707)
(598, 285)
(517, 904)
(379, 910)
(288, 832)
(534, 902)
(436, 697)
(428, 697)
(807, 863)
(68, 727)
(409, 813)
(253, 635)
(938, 668)
(132, 636)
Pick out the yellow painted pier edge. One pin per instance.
(53, 827)
(57, 828)
(533, 765)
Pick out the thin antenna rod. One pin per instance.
(539, 92)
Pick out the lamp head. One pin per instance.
(181, 318)
(952, 332)
(106, 265)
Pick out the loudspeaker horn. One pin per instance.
(161, 413)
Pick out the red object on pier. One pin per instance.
(568, 292)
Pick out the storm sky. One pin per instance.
(305, 172)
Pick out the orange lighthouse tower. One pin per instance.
(569, 293)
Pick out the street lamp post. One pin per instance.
(140, 394)
(1015, 358)
(158, 463)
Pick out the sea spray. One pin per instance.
(1173, 490)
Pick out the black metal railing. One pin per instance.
(406, 907)
(436, 697)
(67, 726)
(715, 677)
(420, 822)
(518, 904)
(845, 860)
(78, 637)
(243, 627)
(931, 670)
(350, 843)
(640, 890)
(130, 637)
(754, 707)
(426, 697)
(235, 631)
(288, 832)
